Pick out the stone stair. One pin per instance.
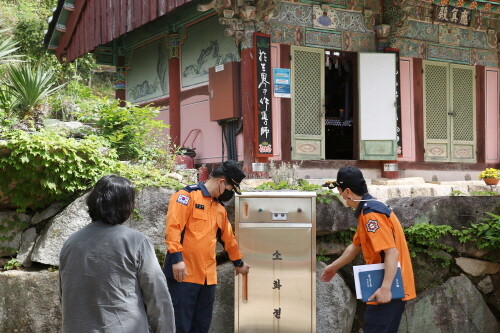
(385, 189)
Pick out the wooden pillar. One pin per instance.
(174, 82)
(286, 111)
(480, 114)
(120, 80)
(247, 108)
(418, 109)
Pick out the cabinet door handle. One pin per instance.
(245, 210)
(244, 287)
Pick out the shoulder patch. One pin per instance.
(183, 199)
(372, 226)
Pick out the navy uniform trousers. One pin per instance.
(193, 304)
(384, 318)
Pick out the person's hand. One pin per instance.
(381, 295)
(242, 270)
(179, 271)
(328, 273)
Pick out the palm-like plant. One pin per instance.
(30, 86)
(8, 47)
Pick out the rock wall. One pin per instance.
(463, 297)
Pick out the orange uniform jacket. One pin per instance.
(193, 220)
(379, 229)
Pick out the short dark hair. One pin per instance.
(112, 200)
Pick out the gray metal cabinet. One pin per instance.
(276, 234)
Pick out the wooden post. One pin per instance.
(247, 108)
(120, 80)
(174, 81)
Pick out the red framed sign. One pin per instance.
(263, 91)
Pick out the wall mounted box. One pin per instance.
(224, 91)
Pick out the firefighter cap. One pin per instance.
(349, 177)
(233, 174)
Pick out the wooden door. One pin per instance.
(308, 111)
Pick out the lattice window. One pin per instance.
(463, 104)
(436, 92)
(307, 92)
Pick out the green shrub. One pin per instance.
(425, 238)
(146, 174)
(130, 129)
(43, 167)
(323, 195)
(11, 264)
(485, 235)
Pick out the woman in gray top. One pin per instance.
(110, 278)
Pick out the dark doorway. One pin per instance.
(340, 74)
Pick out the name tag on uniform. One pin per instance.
(199, 206)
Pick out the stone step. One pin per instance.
(385, 189)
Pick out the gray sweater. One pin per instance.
(111, 282)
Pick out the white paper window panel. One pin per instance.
(377, 96)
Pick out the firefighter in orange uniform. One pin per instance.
(380, 238)
(195, 218)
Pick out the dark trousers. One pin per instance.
(384, 318)
(193, 304)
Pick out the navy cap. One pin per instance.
(233, 174)
(349, 177)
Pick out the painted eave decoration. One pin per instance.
(480, 5)
(80, 26)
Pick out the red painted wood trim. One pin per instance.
(89, 24)
(110, 21)
(145, 12)
(247, 72)
(89, 17)
(80, 30)
(104, 20)
(73, 19)
(130, 7)
(174, 81)
(116, 18)
(418, 108)
(162, 7)
(97, 26)
(153, 9)
(137, 14)
(123, 17)
(286, 110)
(480, 114)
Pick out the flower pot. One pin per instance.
(491, 181)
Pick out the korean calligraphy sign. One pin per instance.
(263, 103)
(452, 14)
(399, 134)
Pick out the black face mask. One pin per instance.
(226, 196)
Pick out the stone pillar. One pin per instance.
(174, 81)
(120, 80)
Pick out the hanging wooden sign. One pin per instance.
(399, 132)
(452, 14)
(263, 102)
